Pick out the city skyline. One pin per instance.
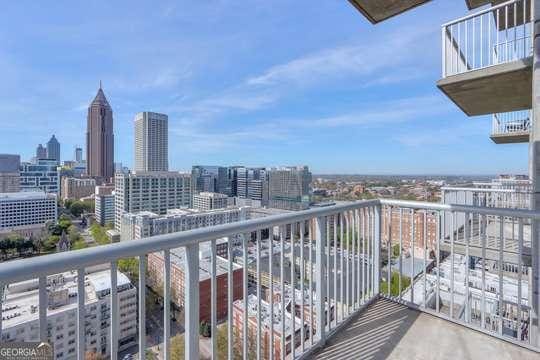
(324, 101)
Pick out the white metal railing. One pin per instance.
(511, 123)
(317, 268)
(509, 196)
(492, 36)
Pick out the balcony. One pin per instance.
(510, 128)
(487, 59)
(367, 278)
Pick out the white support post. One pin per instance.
(534, 169)
(320, 236)
(192, 301)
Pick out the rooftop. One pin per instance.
(25, 195)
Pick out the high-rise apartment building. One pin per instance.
(289, 188)
(205, 201)
(42, 174)
(104, 204)
(76, 188)
(100, 138)
(151, 142)
(53, 149)
(41, 152)
(155, 191)
(211, 179)
(78, 155)
(9, 173)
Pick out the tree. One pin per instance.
(177, 347)
(50, 243)
(130, 267)
(76, 208)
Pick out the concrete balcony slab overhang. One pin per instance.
(379, 10)
(510, 138)
(494, 89)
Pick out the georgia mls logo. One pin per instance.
(26, 350)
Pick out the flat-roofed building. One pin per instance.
(20, 314)
(43, 174)
(104, 204)
(156, 191)
(26, 213)
(205, 201)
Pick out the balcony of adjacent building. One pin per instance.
(367, 279)
(487, 59)
(512, 127)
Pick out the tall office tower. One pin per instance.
(151, 142)
(289, 188)
(41, 152)
(78, 154)
(210, 179)
(100, 138)
(155, 191)
(10, 180)
(44, 174)
(53, 149)
(252, 183)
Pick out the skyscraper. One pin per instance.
(289, 188)
(78, 154)
(210, 179)
(151, 142)
(10, 180)
(53, 149)
(41, 152)
(100, 138)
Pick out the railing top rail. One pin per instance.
(517, 213)
(24, 269)
(480, 12)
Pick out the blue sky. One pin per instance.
(245, 82)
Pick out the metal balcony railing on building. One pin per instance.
(344, 257)
(513, 127)
(487, 55)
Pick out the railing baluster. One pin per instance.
(320, 235)
(425, 248)
(114, 311)
(335, 271)
(259, 322)
(167, 304)
(364, 267)
(348, 264)
(341, 268)
(293, 291)
(245, 294)
(282, 235)
(271, 289)
(351, 256)
(230, 297)
(438, 257)
(400, 252)
(501, 262)
(302, 272)
(81, 311)
(389, 251)
(142, 307)
(483, 232)
(377, 240)
(358, 267)
(413, 272)
(327, 269)
(42, 299)
(520, 266)
(213, 298)
(311, 223)
(452, 241)
(467, 259)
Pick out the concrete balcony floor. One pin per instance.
(387, 330)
